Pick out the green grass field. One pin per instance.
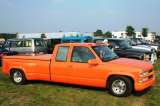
(51, 94)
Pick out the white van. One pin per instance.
(29, 45)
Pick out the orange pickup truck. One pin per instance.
(86, 64)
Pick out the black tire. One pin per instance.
(20, 75)
(128, 86)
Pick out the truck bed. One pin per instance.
(42, 57)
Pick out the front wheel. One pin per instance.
(120, 86)
(18, 77)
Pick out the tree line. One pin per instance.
(7, 36)
(130, 32)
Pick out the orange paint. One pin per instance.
(94, 73)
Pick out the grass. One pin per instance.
(50, 94)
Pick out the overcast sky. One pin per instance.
(78, 15)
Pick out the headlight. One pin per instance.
(142, 74)
(146, 57)
(143, 80)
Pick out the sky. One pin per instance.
(78, 15)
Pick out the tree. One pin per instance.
(144, 32)
(7, 36)
(43, 35)
(98, 33)
(108, 34)
(130, 31)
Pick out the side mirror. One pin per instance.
(93, 62)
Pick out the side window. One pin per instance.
(7, 44)
(19, 44)
(62, 54)
(28, 43)
(81, 54)
(13, 44)
(39, 43)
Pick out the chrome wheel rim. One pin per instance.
(119, 87)
(17, 76)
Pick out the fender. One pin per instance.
(120, 74)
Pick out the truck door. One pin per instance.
(83, 73)
(60, 66)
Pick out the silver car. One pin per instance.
(29, 45)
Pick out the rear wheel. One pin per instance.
(120, 86)
(18, 77)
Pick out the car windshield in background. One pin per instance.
(124, 44)
(104, 53)
(98, 40)
(143, 41)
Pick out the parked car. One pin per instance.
(124, 49)
(27, 45)
(51, 44)
(144, 47)
(86, 64)
(144, 43)
(66, 39)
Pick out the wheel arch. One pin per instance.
(19, 69)
(117, 75)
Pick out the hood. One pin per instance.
(145, 46)
(134, 50)
(131, 64)
(142, 47)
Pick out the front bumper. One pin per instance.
(145, 85)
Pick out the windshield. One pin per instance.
(131, 42)
(142, 41)
(124, 44)
(104, 52)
